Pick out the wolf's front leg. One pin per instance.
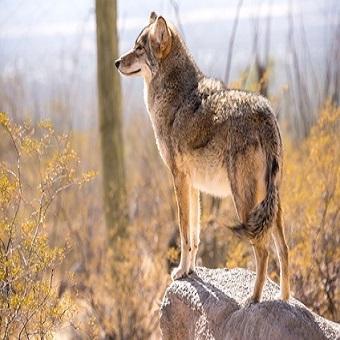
(194, 225)
(182, 189)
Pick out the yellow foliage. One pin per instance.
(311, 201)
(173, 255)
(7, 187)
(29, 301)
(238, 255)
(3, 119)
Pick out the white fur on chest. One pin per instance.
(211, 180)
(145, 92)
(163, 151)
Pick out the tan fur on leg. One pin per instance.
(261, 255)
(182, 190)
(194, 225)
(282, 251)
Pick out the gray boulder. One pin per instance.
(210, 304)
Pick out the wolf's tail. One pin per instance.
(262, 216)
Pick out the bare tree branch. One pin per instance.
(231, 42)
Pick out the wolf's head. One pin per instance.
(152, 45)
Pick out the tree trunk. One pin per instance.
(110, 120)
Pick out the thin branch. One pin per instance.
(231, 41)
(175, 6)
(268, 35)
(7, 129)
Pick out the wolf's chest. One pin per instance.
(211, 180)
(207, 172)
(163, 151)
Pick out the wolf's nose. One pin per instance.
(117, 62)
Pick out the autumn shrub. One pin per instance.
(118, 284)
(37, 165)
(311, 201)
(122, 304)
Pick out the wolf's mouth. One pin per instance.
(130, 73)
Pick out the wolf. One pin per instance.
(213, 139)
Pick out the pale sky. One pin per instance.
(50, 43)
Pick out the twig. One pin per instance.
(231, 41)
(175, 6)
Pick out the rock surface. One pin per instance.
(210, 304)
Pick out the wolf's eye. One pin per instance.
(139, 48)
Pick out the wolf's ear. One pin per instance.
(152, 17)
(161, 37)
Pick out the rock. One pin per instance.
(210, 304)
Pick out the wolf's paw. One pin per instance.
(251, 301)
(284, 295)
(191, 269)
(178, 273)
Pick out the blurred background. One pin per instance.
(88, 221)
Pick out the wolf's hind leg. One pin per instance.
(248, 189)
(261, 256)
(182, 189)
(244, 202)
(194, 225)
(282, 251)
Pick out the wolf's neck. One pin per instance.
(178, 70)
(173, 85)
(176, 79)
